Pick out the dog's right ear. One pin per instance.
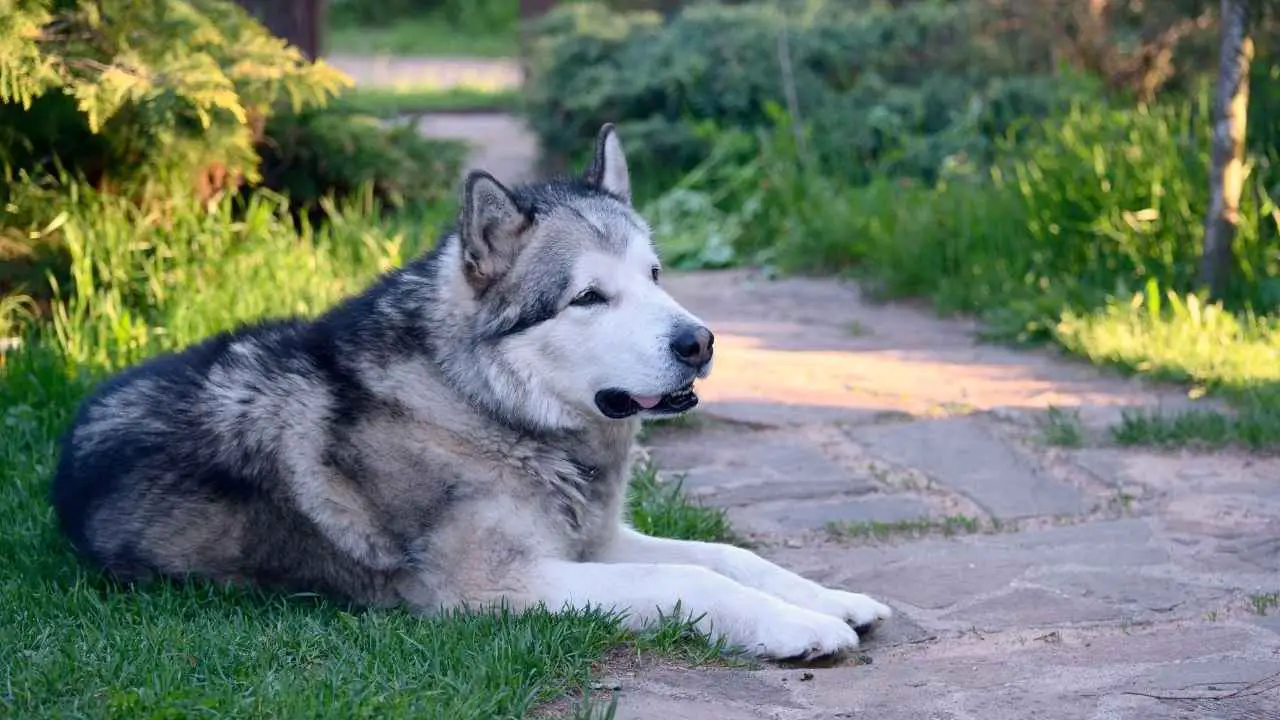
(608, 169)
(492, 229)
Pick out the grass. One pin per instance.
(1062, 428)
(390, 102)
(425, 36)
(949, 526)
(77, 645)
(661, 508)
(1233, 355)
(1263, 603)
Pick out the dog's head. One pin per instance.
(568, 294)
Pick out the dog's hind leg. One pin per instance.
(748, 618)
(747, 568)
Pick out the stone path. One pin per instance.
(500, 142)
(1079, 583)
(439, 72)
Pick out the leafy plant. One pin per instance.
(145, 94)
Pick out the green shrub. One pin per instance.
(144, 95)
(311, 155)
(878, 86)
(1076, 209)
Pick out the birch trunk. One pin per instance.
(1226, 174)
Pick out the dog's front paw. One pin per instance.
(796, 633)
(856, 609)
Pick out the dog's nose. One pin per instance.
(692, 344)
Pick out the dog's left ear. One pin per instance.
(492, 229)
(608, 168)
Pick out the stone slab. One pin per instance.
(736, 465)
(1136, 594)
(1069, 675)
(1032, 608)
(937, 573)
(779, 517)
(962, 454)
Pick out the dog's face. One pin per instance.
(569, 289)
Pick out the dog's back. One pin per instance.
(175, 467)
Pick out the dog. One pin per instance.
(459, 434)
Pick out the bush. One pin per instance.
(1089, 205)
(878, 86)
(145, 95)
(312, 155)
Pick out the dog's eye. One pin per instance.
(588, 297)
(656, 272)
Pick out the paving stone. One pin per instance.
(1270, 621)
(931, 574)
(1007, 677)
(744, 466)
(778, 517)
(963, 455)
(677, 694)
(943, 584)
(904, 630)
(727, 487)
(1127, 533)
(1202, 675)
(781, 414)
(937, 573)
(1105, 464)
(1133, 592)
(645, 705)
(1032, 608)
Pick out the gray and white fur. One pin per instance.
(457, 434)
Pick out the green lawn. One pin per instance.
(76, 645)
(422, 36)
(1182, 339)
(389, 102)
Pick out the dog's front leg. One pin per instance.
(747, 568)
(747, 618)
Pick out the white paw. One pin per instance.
(793, 632)
(856, 609)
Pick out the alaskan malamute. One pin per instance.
(458, 433)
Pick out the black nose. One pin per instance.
(693, 345)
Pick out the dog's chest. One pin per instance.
(584, 496)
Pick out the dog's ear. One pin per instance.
(492, 229)
(608, 168)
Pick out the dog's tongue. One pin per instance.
(646, 402)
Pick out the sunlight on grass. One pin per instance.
(426, 36)
(1179, 338)
(391, 101)
(1164, 336)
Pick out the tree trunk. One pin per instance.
(301, 22)
(1226, 174)
(530, 10)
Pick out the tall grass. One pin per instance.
(1095, 204)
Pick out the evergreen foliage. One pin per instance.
(145, 94)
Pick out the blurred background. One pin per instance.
(1045, 165)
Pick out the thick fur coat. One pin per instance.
(458, 433)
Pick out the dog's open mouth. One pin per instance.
(618, 404)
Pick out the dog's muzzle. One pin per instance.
(619, 404)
